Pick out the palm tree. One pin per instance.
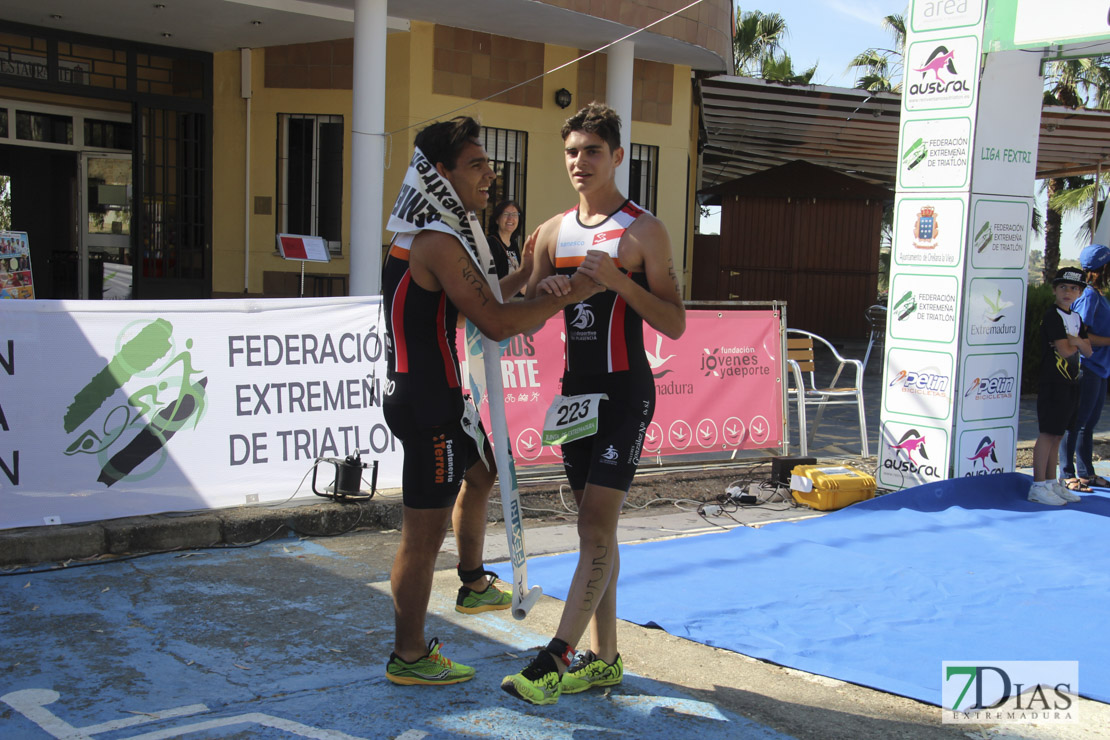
(1072, 83)
(758, 36)
(1079, 196)
(881, 69)
(781, 69)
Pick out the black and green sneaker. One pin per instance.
(432, 670)
(476, 602)
(538, 683)
(588, 671)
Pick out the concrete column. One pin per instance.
(618, 95)
(367, 146)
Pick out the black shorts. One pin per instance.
(610, 457)
(436, 458)
(1057, 405)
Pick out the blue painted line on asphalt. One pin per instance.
(280, 641)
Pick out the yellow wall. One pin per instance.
(409, 106)
(228, 158)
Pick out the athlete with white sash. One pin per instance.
(627, 250)
(430, 276)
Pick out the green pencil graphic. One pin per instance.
(984, 237)
(137, 355)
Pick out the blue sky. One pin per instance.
(829, 33)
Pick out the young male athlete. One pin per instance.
(429, 277)
(627, 250)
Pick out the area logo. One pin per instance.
(926, 229)
(911, 442)
(148, 392)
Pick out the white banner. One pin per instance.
(113, 408)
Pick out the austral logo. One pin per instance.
(997, 387)
(984, 452)
(939, 59)
(911, 443)
(148, 392)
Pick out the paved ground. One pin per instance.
(288, 639)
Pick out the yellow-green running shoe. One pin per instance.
(432, 670)
(588, 671)
(538, 683)
(475, 602)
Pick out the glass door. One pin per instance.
(105, 261)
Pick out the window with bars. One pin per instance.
(507, 153)
(643, 175)
(310, 177)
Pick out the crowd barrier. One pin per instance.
(123, 408)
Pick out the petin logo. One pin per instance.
(912, 441)
(984, 451)
(919, 383)
(998, 386)
(141, 420)
(940, 58)
(583, 316)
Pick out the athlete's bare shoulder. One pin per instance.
(645, 240)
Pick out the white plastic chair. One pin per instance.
(800, 356)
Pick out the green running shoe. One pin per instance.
(538, 683)
(432, 670)
(588, 671)
(476, 602)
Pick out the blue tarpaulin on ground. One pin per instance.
(882, 592)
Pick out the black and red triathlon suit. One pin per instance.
(423, 402)
(605, 354)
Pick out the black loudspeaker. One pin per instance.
(781, 467)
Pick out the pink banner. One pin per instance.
(718, 387)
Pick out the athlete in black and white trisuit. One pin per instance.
(627, 250)
(428, 279)
(605, 354)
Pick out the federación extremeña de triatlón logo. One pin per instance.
(129, 411)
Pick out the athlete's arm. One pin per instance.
(544, 258)
(439, 262)
(645, 245)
